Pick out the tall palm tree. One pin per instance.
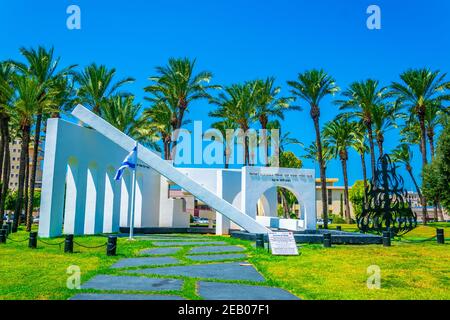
(361, 147)
(360, 99)
(339, 133)
(124, 114)
(312, 86)
(26, 104)
(269, 105)
(42, 66)
(6, 97)
(418, 90)
(176, 85)
(237, 103)
(403, 154)
(96, 84)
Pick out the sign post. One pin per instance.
(283, 244)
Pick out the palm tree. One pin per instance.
(384, 117)
(403, 154)
(339, 134)
(360, 146)
(124, 114)
(176, 85)
(269, 105)
(6, 96)
(26, 104)
(237, 103)
(312, 86)
(42, 66)
(420, 89)
(360, 99)
(96, 84)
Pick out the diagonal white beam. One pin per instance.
(167, 170)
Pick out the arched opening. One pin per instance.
(279, 202)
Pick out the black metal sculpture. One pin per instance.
(385, 207)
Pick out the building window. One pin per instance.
(14, 159)
(330, 197)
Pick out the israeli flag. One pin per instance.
(129, 162)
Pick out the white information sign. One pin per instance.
(283, 244)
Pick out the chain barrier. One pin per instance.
(415, 241)
(87, 247)
(17, 240)
(51, 244)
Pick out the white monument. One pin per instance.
(79, 195)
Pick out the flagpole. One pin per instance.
(133, 196)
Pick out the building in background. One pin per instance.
(335, 198)
(14, 149)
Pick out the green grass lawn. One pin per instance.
(408, 270)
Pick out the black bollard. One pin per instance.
(260, 240)
(339, 228)
(111, 246)
(440, 236)
(68, 243)
(32, 241)
(327, 240)
(386, 238)
(2, 235)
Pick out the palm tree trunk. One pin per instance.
(284, 203)
(26, 187)
(430, 133)
(372, 149)
(347, 203)
(364, 170)
(37, 137)
(264, 141)
(414, 181)
(7, 165)
(315, 113)
(441, 214)
(2, 149)
(423, 148)
(435, 211)
(380, 145)
(23, 164)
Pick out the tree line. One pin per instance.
(40, 88)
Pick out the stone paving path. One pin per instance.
(220, 270)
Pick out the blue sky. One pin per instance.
(241, 40)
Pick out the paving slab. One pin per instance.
(221, 271)
(150, 261)
(109, 282)
(160, 251)
(217, 257)
(119, 296)
(192, 243)
(232, 291)
(217, 249)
